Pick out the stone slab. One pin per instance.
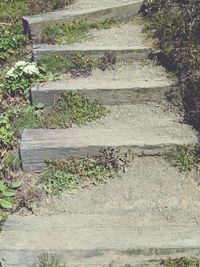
(87, 240)
(39, 145)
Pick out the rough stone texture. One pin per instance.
(96, 10)
(127, 83)
(138, 131)
(94, 240)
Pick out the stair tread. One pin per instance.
(133, 38)
(80, 7)
(123, 75)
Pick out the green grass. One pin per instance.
(65, 33)
(12, 41)
(11, 11)
(181, 262)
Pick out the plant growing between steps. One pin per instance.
(181, 262)
(48, 260)
(69, 174)
(71, 109)
(65, 33)
(184, 157)
(77, 64)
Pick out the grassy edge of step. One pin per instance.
(33, 25)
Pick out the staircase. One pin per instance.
(133, 91)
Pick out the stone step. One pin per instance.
(132, 46)
(99, 240)
(95, 10)
(140, 129)
(127, 83)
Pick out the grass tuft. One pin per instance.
(48, 260)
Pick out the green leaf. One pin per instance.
(2, 186)
(6, 204)
(9, 193)
(16, 184)
(39, 105)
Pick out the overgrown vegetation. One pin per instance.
(12, 41)
(181, 262)
(184, 157)
(68, 174)
(77, 64)
(12, 11)
(65, 33)
(71, 109)
(16, 112)
(176, 26)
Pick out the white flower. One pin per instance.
(20, 64)
(31, 69)
(11, 73)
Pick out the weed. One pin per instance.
(181, 262)
(55, 181)
(183, 157)
(48, 260)
(65, 33)
(7, 193)
(10, 44)
(68, 174)
(71, 109)
(77, 64)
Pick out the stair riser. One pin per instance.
(99, 258)
(33, 160)
(107, 97)
(119, 13)
(126, 54)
